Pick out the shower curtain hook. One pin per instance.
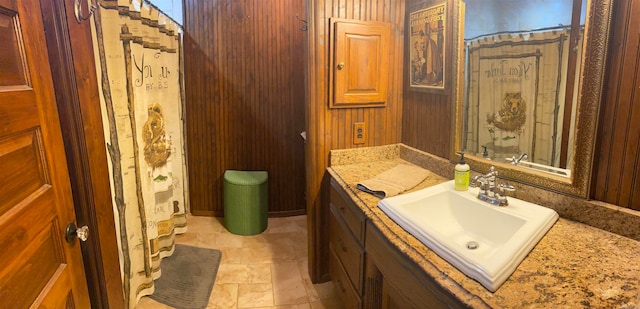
(79, 14)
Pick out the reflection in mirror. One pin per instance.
(521, 76)
(584, 80)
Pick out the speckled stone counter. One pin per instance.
(573, 266)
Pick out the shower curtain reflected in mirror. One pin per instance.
(515, 95)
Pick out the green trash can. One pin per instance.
(245, 202)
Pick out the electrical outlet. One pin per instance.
(359, 133)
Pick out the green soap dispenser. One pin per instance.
(462, 174)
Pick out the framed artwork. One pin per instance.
(427, 36)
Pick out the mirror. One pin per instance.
(530, 77)
(520, 75)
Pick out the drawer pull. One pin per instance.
(342, 246)
(342, 286)
(342, 209)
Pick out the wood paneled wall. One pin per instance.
(333, 128)
(616, 174)
(426, 122)
(427, 116)
(244, 87)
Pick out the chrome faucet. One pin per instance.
(515, 160)
(490, 191)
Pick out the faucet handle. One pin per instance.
(516, 161)
(501, 197)
(481, 180)
(473, 183)
(502, 187)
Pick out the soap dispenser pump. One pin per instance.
(462, 174)
(485, 153)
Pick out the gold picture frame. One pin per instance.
(427, 39)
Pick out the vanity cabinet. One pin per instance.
(368, 271)
(346, 246)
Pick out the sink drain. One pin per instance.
(472, 245)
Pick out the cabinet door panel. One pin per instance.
(360, 63)
(405, 284)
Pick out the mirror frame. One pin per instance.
(590, 84)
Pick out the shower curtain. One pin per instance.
(137, 52)
(516, 94)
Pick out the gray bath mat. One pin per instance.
(187, 277)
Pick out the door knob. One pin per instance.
(80, 232)
(340, 65)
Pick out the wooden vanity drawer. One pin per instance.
(341, 282)
(350, 253)
(352, 215)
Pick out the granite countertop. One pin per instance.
(573, 266)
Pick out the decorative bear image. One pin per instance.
(513, 114)
(156, 147)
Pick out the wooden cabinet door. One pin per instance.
(39, 268)
(360, 63)
(403, 283)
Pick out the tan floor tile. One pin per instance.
(306, 280)
(317, 291)
(244, 273)
(205, 224)
(303, 266)
(322, 291)
(224, 296)
(288, 286)
(246, 278)
(223, 239)
(148, 303)
(270, 239)
(312, 293)
(329, 303)
(255, 295)
(253, 240)
(285, 224)
(234, 255)
(256, 255)
(271, 253)
(282, 253)
(301, 221)
(188, 238)
(298, 306)
(300, 247)
(211, 240)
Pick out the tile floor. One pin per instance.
(268, 270)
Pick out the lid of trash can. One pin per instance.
(245, 178)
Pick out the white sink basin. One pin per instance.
(484, 241)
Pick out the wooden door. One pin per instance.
(39, 268)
